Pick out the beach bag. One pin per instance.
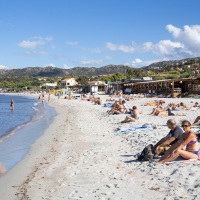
(147, 153)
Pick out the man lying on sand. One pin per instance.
(171, 138)
(189, 140)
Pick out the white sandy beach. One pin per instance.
(80, 157)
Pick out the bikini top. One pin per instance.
(191, 143)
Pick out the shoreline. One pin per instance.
(80, 157)
(25, 166)
(17, 141)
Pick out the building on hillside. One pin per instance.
(97, 86)
(68, 82)
(43, 78)
(49, 84)
(172, 87)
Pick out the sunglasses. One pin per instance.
(185, 125)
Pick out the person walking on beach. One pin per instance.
(171, 138)
(12, 105)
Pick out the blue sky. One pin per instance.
(95, 33)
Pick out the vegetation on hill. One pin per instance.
(31, 77)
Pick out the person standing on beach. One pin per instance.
(171, 138)
(2, 170)
(12, 105)
(42, 99)
(49, 97)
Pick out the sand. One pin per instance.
(80, 157)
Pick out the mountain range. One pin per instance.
(93, 71)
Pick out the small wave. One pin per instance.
(35, 108)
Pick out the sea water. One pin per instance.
(21, 127)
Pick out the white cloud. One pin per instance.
(138, 63)
(168, 48)
(34, 42)
(72, 43)
(186, 43)
(124, 48)
(36, 53)
(52, 46)
(137, 60)
(189, 37)
(108, 58)
(3, 67)
(91, 62)
(50, 65)
(66, 67)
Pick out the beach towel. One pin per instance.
(133, 129)
(108, 105)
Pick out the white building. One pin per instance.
(68, 82)
(49, 84)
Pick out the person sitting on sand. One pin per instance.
(125, 107)
(118, 109)
(134, 115)
(196, 121)
(114, 108)
(171, 138)
(188, 140)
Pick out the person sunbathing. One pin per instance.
(97, 101)
(183, 106)
(187, 140)
(154, 103)
(196, 106)
(159, 111)
(110, 99)
(196, 121)
(134, 115)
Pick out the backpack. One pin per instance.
(198, 136)
(147, 153)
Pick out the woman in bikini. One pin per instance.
(187, 140)
(134, 115)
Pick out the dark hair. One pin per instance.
(134, 107)
(183, 121)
